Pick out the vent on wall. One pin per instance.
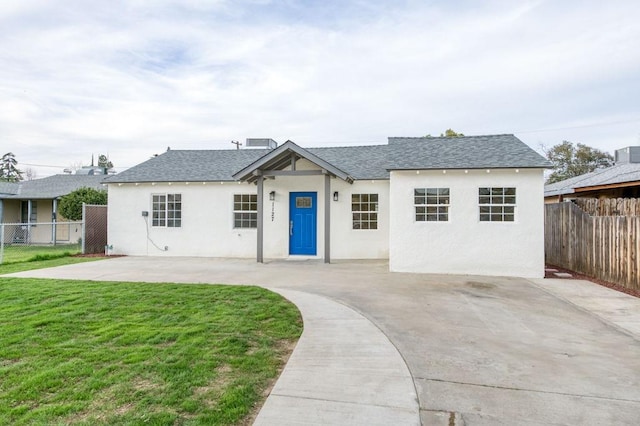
(261, 143)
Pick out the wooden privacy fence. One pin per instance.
(604, 247)
(609, 206)
(95, 229)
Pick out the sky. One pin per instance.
(131, 78)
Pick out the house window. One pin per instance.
(431, 204)
(167, 210)
(245, 211)
(24, 214)
(497, 204)
(364, 209)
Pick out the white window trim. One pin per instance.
(166, 210)
(425, 205)
(234, 211)
(376, 211)
(491, 204)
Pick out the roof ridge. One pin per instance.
(346, 146)
(451, 137)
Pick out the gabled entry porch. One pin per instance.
(297, 167)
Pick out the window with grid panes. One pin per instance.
(431, 204)
(364, 211)
(497, 204)
(166, 210)
(245, 211)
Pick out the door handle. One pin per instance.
(290, 228)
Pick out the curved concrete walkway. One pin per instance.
(343, 370)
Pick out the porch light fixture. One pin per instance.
(335, 196)
(272, 195)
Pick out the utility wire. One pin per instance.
(610, 123)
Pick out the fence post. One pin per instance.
(54, 220)
(1, 242)
(84, 228)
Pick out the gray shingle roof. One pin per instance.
(190, 165)
(467, 152)
(54, 186)
(619, 173)
(9, 188)
(360, 162)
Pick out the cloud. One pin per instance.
(130, 78)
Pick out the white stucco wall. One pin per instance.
(349, 243)
(207, 219)
(346, 243)
(464, 245)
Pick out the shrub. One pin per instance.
(70, 205)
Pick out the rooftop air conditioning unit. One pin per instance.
(261, 143)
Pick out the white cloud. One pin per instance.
(131, 78)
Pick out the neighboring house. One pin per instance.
(34, 201)
(621, 180)
(467, 205)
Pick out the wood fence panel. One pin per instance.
(604, 247)
(609, 206)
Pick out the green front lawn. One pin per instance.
(77, 352)
(10, 268)
(23, 253)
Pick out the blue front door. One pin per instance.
(302, 223)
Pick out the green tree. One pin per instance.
(103, 161)
(70, 206)
(569, 160)
(449, 133)
(9, 168)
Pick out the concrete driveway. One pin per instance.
(480, 350)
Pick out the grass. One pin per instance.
(22, 253)
(39, 264)
(76, 352)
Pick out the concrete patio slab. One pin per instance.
(615, 308)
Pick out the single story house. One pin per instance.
(621, 180)
(466, 205)
(30, 202)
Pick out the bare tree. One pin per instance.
(29, 173)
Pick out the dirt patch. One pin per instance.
(145, 385)
(480, 286)
(577, 276)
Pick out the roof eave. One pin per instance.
(467, 168)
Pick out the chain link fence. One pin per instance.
(24, 242)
